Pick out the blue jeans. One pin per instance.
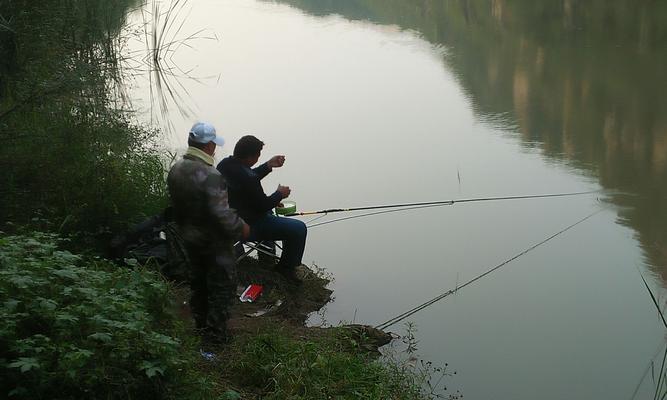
(292, 232)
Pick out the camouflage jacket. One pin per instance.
(199, 197)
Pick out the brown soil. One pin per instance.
(284, 303)
(281, 301)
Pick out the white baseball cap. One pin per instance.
(203, 132)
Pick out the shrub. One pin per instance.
(76, 327)
(70, 149)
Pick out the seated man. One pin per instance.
(247, 196)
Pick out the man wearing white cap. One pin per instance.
(209, 229)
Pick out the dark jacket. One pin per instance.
(199, 197)
(246, 194)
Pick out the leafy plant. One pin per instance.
(78, 327)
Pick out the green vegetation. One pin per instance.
(278, 365)
(76, 327)
(79, 327)
(70, 152)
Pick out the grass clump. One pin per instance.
(284, 365)
(76, 327)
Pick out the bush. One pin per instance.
(71, 152)
(76, 327)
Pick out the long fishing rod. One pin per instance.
(310, 223)
(441, 202)
(414, 310)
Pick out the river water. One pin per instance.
(378, 102)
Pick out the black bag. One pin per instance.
(154, 241)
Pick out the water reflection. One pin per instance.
(582, 81)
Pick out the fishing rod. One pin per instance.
(435, 203)
(414, 310)
(310, 224)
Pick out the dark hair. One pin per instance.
(248, 146)
(198, 145)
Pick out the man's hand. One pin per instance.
(276, 161)
(246, 231)
(284, 191)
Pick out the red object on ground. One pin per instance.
(251, 293)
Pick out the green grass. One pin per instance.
(281, 363)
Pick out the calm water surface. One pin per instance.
(379, 102)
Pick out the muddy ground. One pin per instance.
(283, 303)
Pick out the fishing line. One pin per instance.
(310, 221)
(372, 213)
(441, 296)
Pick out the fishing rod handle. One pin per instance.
(330, 210)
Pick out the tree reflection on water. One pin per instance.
(582, 81)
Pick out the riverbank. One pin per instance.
(273, 354)
(80, 326)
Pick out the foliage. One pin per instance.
(76, 327)
(69, 148)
